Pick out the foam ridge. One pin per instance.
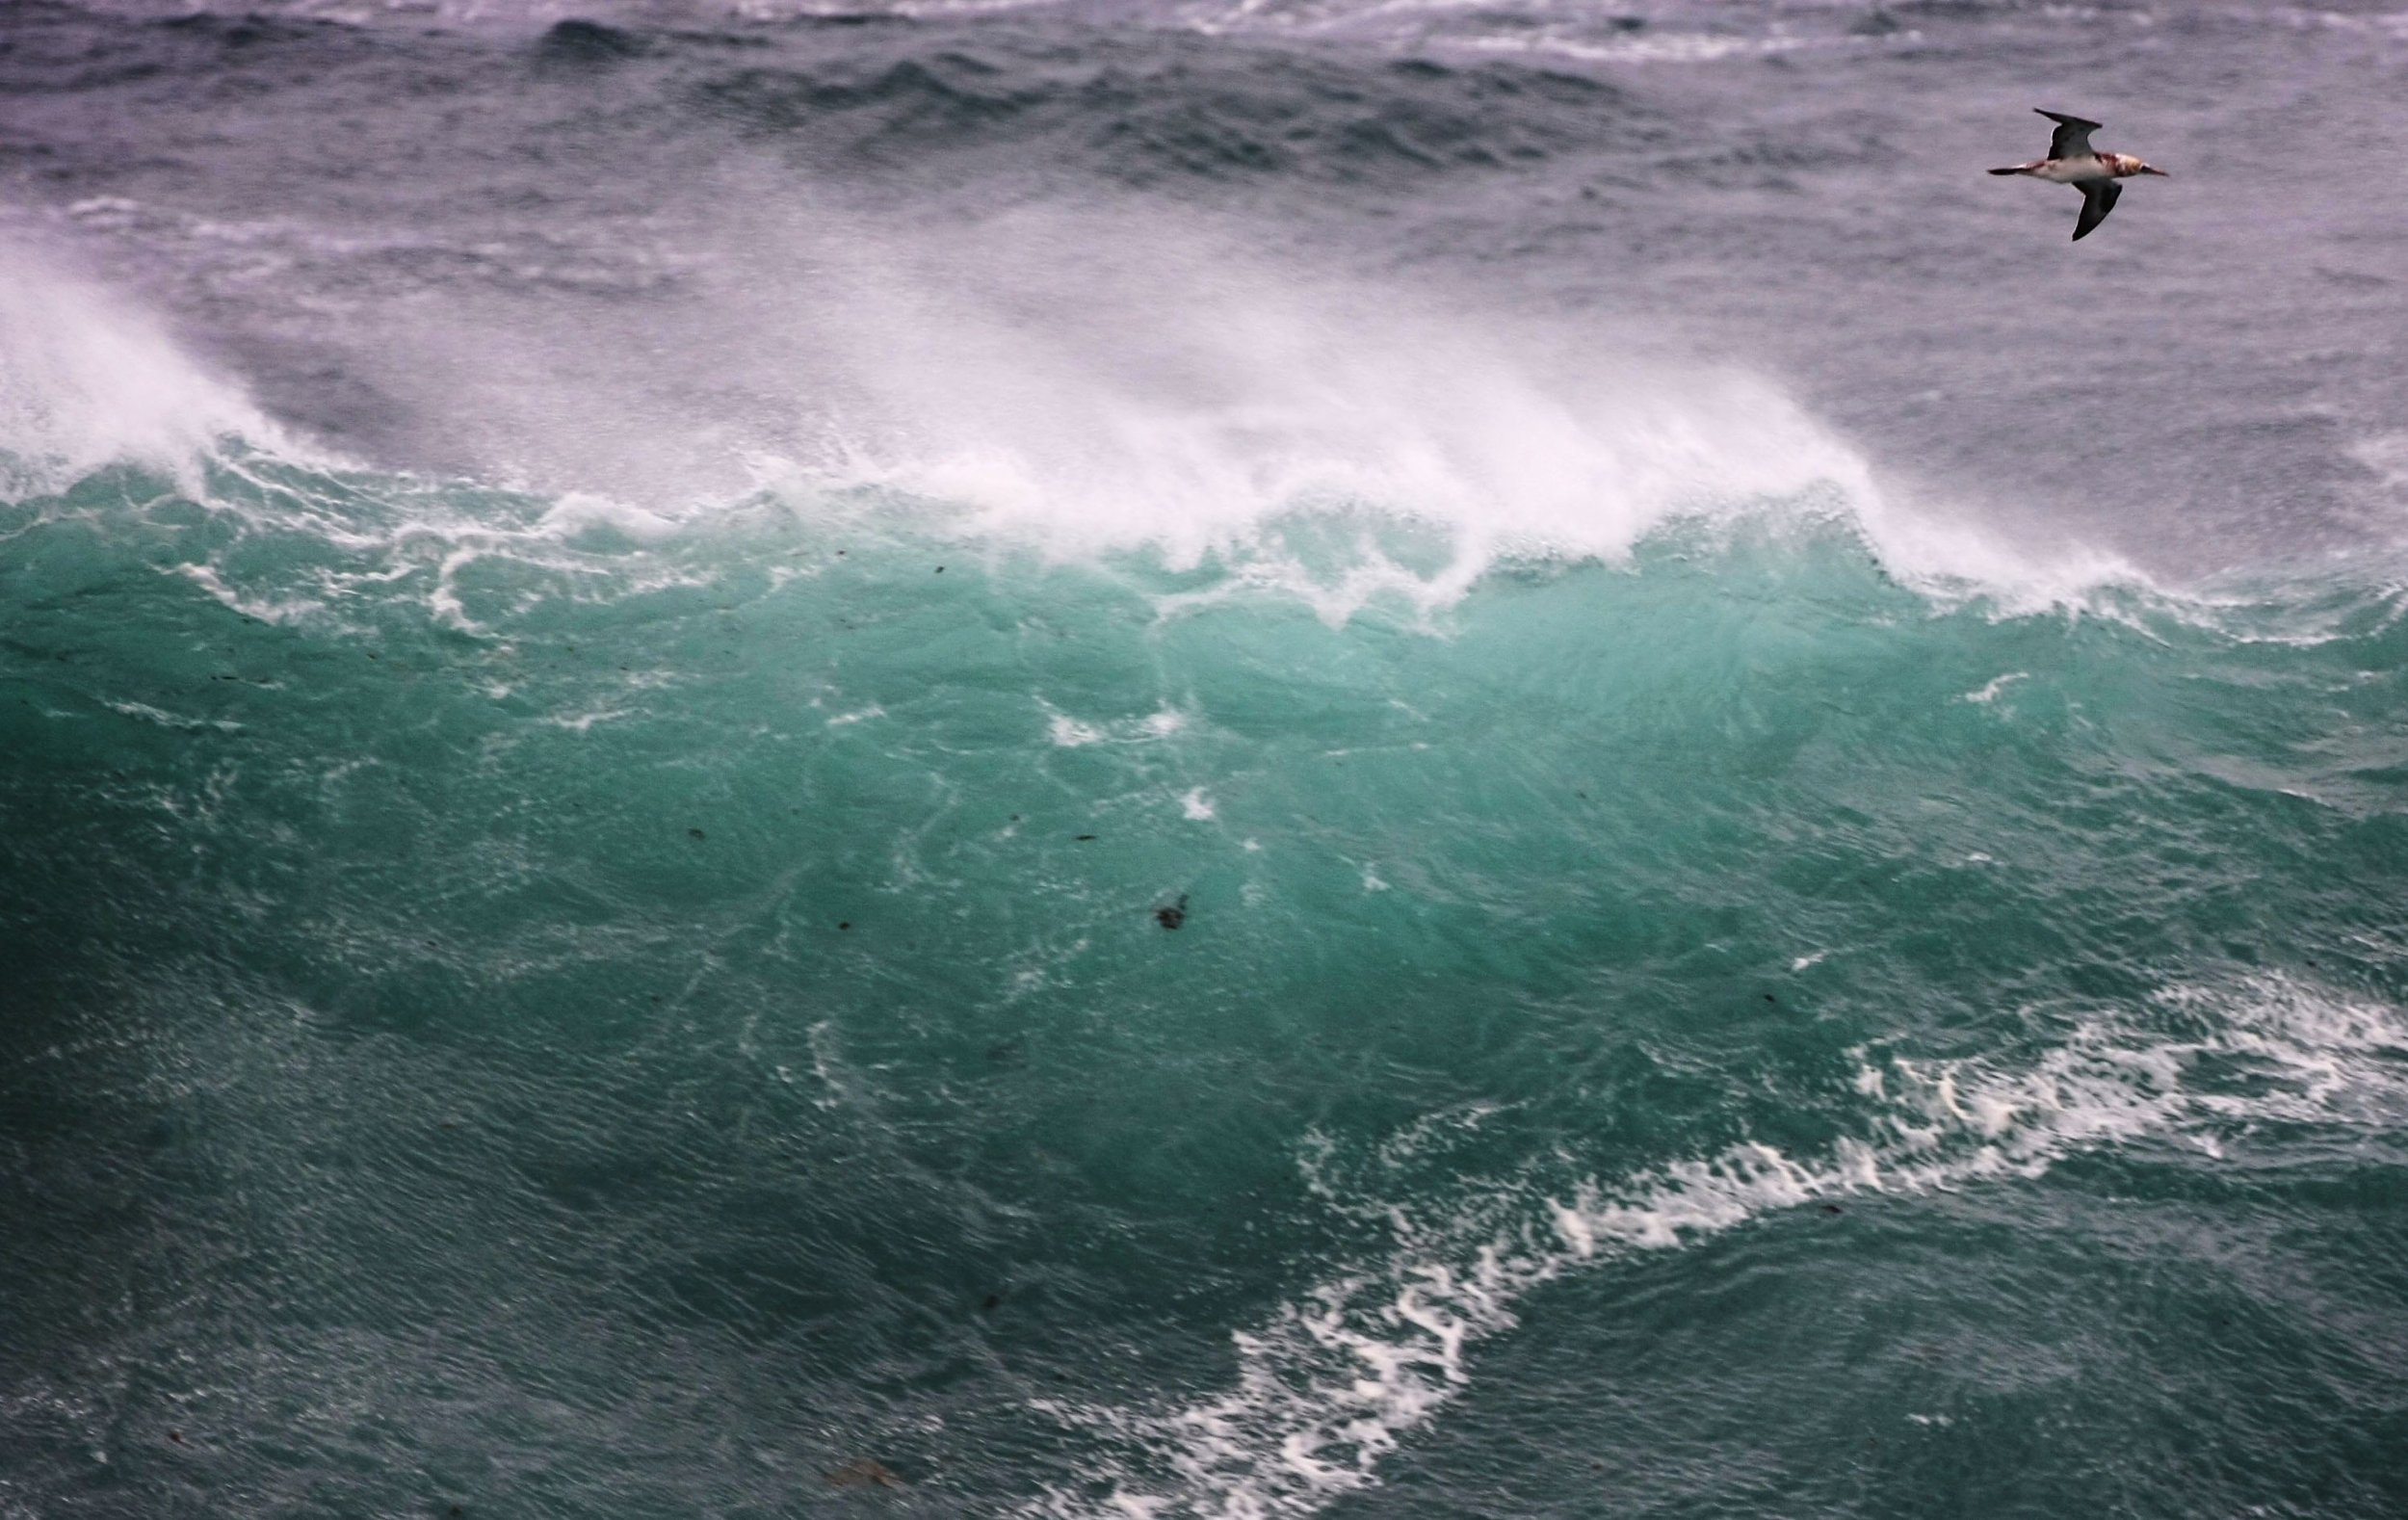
(1329, 1383)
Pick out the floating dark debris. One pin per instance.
(1174, 915)
(865, 1473)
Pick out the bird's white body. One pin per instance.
(2073, 161)
(2085, 168)
(2072, 170)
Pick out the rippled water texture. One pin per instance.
(1222, 761)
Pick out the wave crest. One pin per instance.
(87, 381)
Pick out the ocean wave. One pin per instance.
(1196, 408)
(1153, 111)
(87, 381)
(1328, 1385)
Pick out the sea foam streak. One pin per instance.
(1328, 1384)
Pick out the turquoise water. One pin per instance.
(1257, 759)
(552, 1010)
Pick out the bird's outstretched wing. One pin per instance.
(2098, 199)
(2072, 137)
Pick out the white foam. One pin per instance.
(266, 610)
(148, 714)
(87, 381)
(1086, 385)
(1346, 462)
(416, 536)
(578, 512)
(1066, 732)
(1329, 1381)
(1679, 47)
(1990, 690)
(444, 600)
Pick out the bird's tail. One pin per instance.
(2020, 169)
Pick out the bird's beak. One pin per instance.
(2160, 173)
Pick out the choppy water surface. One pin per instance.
(1201, 761)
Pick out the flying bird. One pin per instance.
(2073, 161)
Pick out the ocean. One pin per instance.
(1355, 758)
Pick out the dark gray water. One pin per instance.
(1219, 760)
